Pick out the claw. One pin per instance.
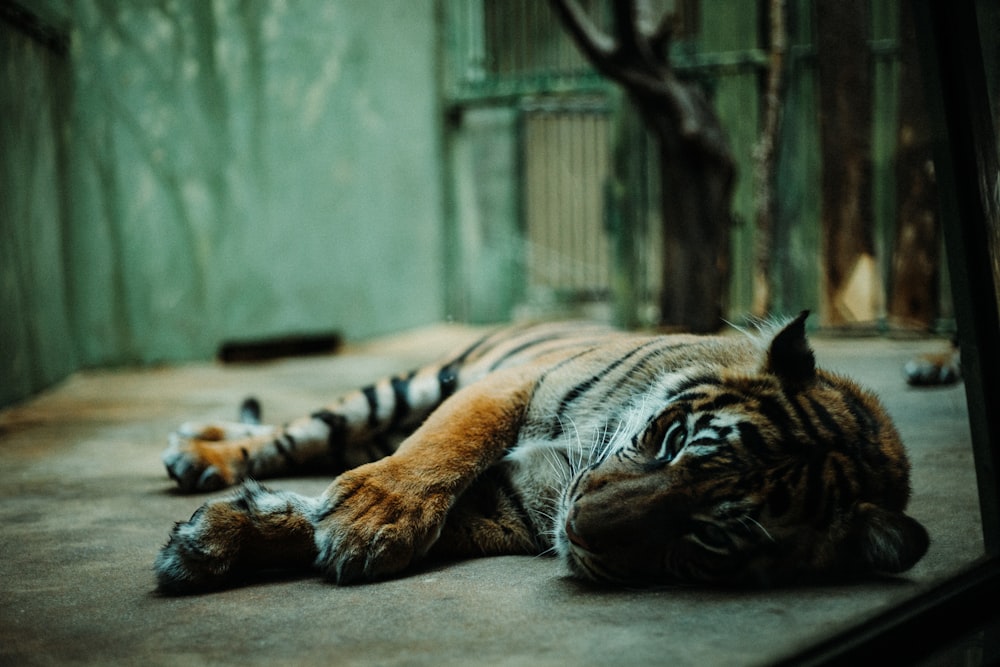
(211, 480)
(180, 469)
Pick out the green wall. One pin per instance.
(193, 172)
(36, 346)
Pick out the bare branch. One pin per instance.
(630, 62)
(603, 52)
(598, 47)
(632, 41)
(662, 35)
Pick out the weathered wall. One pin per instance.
(36, 345)
(231, 170)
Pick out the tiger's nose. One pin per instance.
(572, 535)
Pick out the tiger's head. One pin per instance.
(780, 475)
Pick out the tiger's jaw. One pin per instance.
(632, 530)
(602, 528)
(724, 545)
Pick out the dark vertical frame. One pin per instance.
(966, 165)
(965, 158)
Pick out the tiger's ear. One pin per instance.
(789, 357)
(881, 540)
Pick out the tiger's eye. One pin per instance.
(711, 535)
(673, 441)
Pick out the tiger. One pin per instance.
(637, 459)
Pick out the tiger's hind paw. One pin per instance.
(933, 370)
(208, 457)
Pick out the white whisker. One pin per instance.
(762, 528)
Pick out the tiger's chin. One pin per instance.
(586, 563)
(604, 569)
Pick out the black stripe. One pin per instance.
(336, 423)
(557, 427)
(564, 362)
(866, 422)
(867, 444)
(372, 399)
(723, 400)
(467, 352)
(581, 388)
(524, 346)
(447, 380)
(690, 383)
(690, 397)
(772, 410)
(400, 388)
(643, 362)
(753, 442)
(636, 370)
(703, 422)
(336, 439)
(825, 418)
(492, 341)
(812, 433)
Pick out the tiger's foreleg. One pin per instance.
(373, 520)
(377, 519)
(225, 540)
(257, 529)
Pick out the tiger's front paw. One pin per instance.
(375, 520)
(207, 457)
(255, 529)
(200, 554)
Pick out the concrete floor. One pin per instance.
(86, 504)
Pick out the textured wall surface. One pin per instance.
(36, 346)
(227, 170)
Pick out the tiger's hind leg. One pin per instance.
(942, 368)
(225, 540)
(214, 455)
(208, 456)
(360, 427)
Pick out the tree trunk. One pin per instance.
(916, 257)
(695, 196)
(851, 289)
(697, 169)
